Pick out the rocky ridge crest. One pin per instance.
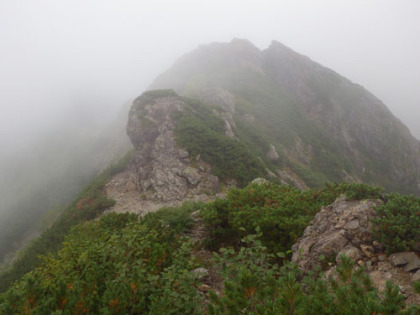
(325, 127)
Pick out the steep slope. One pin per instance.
(315, 123)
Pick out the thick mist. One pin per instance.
(68, 67)
(97, 54)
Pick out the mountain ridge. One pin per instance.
(299, 105)
(203, 146)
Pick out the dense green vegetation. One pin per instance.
(201, 132)
(88, 205)
(148, 97)
(398, 223)
(121, 264)
(281, 212)
(125, 264)
(254, 285)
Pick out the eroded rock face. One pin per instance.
(163, 170)
(344, 228)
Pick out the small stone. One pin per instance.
(369, 265)
(398, 259)
(381, 257)
(408, 260)
(361, 263)
(377, 246)
(383, 265)
(183, 154)
(367, 250)
(352, 225)
(351, 252)
(374, 259)
(260, 181)
(332, 273)
(340, 224)
(203, 288)
(201, 273)
(192, 175)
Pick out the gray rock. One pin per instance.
(260, 181)
(192, 174)
(335, 229)
(162, 170)
(350, 251)
(416, 276)
(367, 250)
(272, 154)
(353, 224)
(201, 273)
(408, 260)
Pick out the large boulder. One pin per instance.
(344, 228)
(341, 228)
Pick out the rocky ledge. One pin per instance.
(345, 227)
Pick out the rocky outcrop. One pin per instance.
(344, 227)
(226, 101)
(163, 171)
(341, 228)
(272, 154)
(288, 177)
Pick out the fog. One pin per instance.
(68, 67)
(74, 63)
(90, 56)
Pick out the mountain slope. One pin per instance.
(322, 126)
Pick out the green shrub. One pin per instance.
(253, 285)
(149, 97)
(88, 205)
(201, 132)
(176, 219)
(397, 226)
(117, 265)
(281, 212)
(357, 191)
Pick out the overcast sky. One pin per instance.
(58, 57)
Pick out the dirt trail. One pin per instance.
(123, 190)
